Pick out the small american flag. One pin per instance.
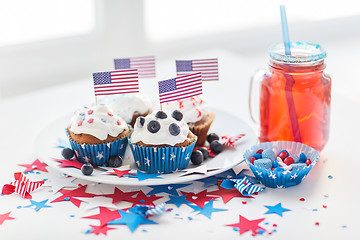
(116, 82)
(145, 65)
(180, 87)
(208, 67)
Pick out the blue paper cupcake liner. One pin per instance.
(278, 177)
(161, 159)
(98, 154)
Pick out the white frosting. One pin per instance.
(161, 137)
(193, 109)
(125, 105)
(98, 121)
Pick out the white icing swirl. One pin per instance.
(98, 121)
(125, 105)
(163, 136)
(193, 109)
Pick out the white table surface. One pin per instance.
(23, 117)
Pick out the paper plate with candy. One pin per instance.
(281, 164)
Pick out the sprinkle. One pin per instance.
(274, 225)
(244, 202)
(91, 120)
(315, 210)
(72, 216)
(324, 206)
(118, 122)
(82, 114)
(330, 177)
(79, 123)
(67, 199)
(344, 226)
(302, 199)
(90, 112)
(317, 223)
(19, 207)
(110, 114)
(326, 195)
(103, 120)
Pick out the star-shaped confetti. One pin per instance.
(170, 189)
(228, 194)
(245, 225)
(57, 182)
(199, 198)
(178, 201)
(141, 198)
(119, 195)
(100, 229)
(97, 201)
(278, 209)
(209, 181)
(208, 209)
(69, 163)
(120, 173)
(202, 169)
(38, 205)
(4, 217)
(132, 220)
(35, 165)
(144, 176)
(105, 215)
(21, 186)
(70, 195)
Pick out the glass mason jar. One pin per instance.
(295, 95)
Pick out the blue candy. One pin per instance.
(303, 157)
(298, 166)
(269, 153)
(263, 163)
(275, 164)
(257, 155)
(296, 158)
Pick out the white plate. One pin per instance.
(224, 124)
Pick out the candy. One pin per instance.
(263, 163)
(289, 160)
(252, 160)
(296, 158)
(269, 153)
(257, 156)
(308, 162)
(283, 154)
(259, 151)
(298, 166)
(275, 164)
(303, 157)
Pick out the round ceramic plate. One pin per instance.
(48, 141)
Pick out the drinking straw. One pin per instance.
(289, 80)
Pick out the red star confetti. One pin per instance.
(4, 217)
(199, 198)
(69, 163)
(105, 215)
(245, 225)
(21, 185)
(119, 195)
(70, 195)
(35, 165)
(227, 194)
(231, 141)
(142, 199)
(100, 229)
(121, 173)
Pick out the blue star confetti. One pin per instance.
(170, 189)
(143, 176)
(38, 205)
(278, 209)
(132, 220)
(207, 210)
(178, 201)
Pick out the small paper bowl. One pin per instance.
(282, 179)
(98, 154)
(161, 159)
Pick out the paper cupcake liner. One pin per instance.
(98, 154)
(277, 178)
(202, 130)
(161, 159)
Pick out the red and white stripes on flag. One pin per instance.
(144, 65)
(116, 82)
(180, 87)
(208, 67)
(22, 186)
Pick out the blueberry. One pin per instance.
(177, 115)
(115, 161)
(205, 152)
(87, 169)
(153, 126)
(67, 153)
(140, 122)
(216, 147)
(161, 115)
(211, 137)
(174, 129)
(197, 157)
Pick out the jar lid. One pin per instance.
(300, 52)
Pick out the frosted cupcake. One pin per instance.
(95, 134)
(162, 142)
(196, 115)
(128, 106)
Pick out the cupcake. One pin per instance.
(96, 134)
(162, 142)
(128, 106)
(196, 115)
(281, 164)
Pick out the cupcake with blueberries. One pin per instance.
(281, 164)
(162, 142)
(96, 135)
(196, 114)
(128, 106)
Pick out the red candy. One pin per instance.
(289, 160)
(259, 151)
(308, 162)
(282, 155)
(252, 159)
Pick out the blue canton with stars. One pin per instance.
(102, 78)
(122, 63)
(184, 66)
(167, 85)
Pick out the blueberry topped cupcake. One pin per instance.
(196, 115)
(128, 106)
(162, 142)
(95, 134)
